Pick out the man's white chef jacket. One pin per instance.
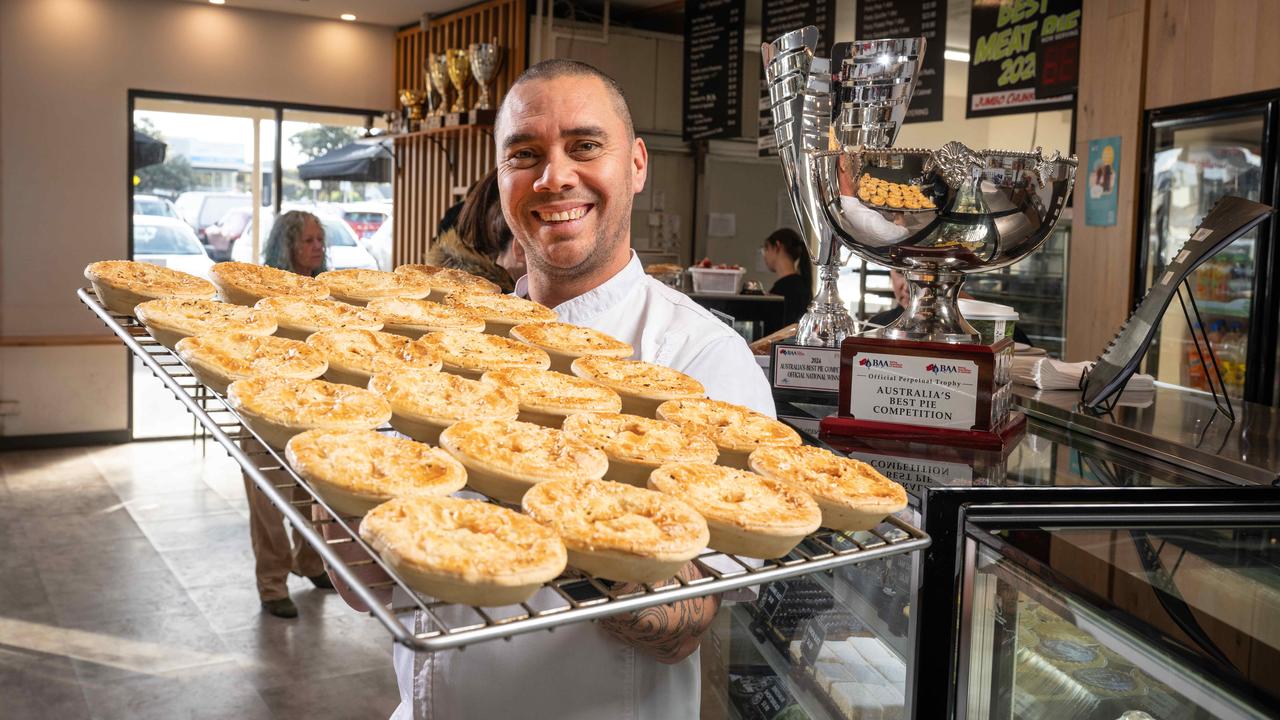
(579, 670)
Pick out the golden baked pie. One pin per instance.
(358, 286)
(171, 319)
(504, 458)
(748, 514)
(424, 403)
(735, 429)
(121, 284)
(637, 445)
(566, 342)
(415, 318)
(500, 312)
(246, 284)
(357, 470)
(852, 494)
(471, 354)
(219, 359)
(464, 551)
(298, 317)
(356, 355)
(547, 398)
(618, 531)
(643, 386)
(446, 280)
(277, 408)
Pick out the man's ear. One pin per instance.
(640, 163)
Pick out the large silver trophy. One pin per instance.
(934, 215)
(486, 58)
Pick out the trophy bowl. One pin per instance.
(412, 100)
(459, 68)
(936, 215)
(485, 59)
(438, 68)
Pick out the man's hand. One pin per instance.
(349, 551)
(668, 632)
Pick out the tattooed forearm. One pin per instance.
(668, 632)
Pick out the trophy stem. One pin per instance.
(827, 321)
(933, 312)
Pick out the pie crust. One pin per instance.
(219, 359)
(617, 531)
(356, 355)
(171, 319)
(357, 470)
(643, 386)
(278, 408)
(446, 280)
(471, 354)
(121, 284)
(566, 342)
(748, 514)
(500, 312)
(547, 397)
(298, 317)
(735, 429)
(852, 494)
(425, 403)
(415, 318)
(464, 551)
(358, 287)
(504, 458)
(637, 445)
(246, 284)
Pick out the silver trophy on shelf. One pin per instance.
(486, 58)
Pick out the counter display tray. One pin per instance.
(568, 599)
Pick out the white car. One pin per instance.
(169, 242)
(342, 251)
(379, 245)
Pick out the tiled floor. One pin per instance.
(127, 591)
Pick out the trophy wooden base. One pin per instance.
(998, 438)
(470, 117)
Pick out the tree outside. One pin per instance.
(170, 178)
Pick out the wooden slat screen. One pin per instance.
(437, 167)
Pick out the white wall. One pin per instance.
(65, 69)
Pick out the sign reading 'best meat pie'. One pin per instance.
(1024, 56)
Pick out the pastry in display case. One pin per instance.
(447, 280)
(246, 284)
(747, 514)
(354, 471)
(636, 445)
(357, 287)
(471, 355)
(617, 531)
(424, 403)
(547, 397)
(277, 408)
(464, 551)
(565, 342)
(500, 312)
(415, 318)
(643, 385)
(357, 355)
(169, 320)
(122, 284)
(852, 494)
(504, 458)
(736, 430)
(299, 317)
(219, 359)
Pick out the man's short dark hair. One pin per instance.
(559, 67)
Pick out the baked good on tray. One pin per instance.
(246, 283)
(643, 386)
(566, 342)
(852, 494)
(446, 280)
(121, 284)
(636, 445)
(297, 317)
(736, 430)
(415, 318)
(219, 359)
(547, 397)
(278, 408)
(500, 312)
(171, 319)
(424, 403)
(358, 287)
(356, 355)
(504, 458)
(471, 354)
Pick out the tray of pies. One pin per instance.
(488, 525)
(886, 195)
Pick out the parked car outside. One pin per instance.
(221, 234)
(365, 217)
(171, 243)
(202, 209)
(342, 251)
(379, 245)
(155, 206)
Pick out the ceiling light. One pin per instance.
(348, 17)
(956, 55)
(217, 2)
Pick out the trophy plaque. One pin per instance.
(933, 215)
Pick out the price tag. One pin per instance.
(771, 599)
(815, 635)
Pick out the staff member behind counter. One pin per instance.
(787, 257)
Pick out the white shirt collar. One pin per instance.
(582, 309)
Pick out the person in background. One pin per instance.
(296, 244)
(902, 294)
(480, 242)
(787, 257)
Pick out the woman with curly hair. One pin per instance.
(296, 244)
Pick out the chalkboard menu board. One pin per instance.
(1024, 56)
(879, 19)
(777, 18)
(713, 68)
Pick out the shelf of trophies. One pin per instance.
(430, 111)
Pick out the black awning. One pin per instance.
(357, 162)
(147, 150)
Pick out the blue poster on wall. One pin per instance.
(1103, 180)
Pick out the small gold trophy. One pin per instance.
(459, 69)
(438, 65)
(486, 58)
(412, 99)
